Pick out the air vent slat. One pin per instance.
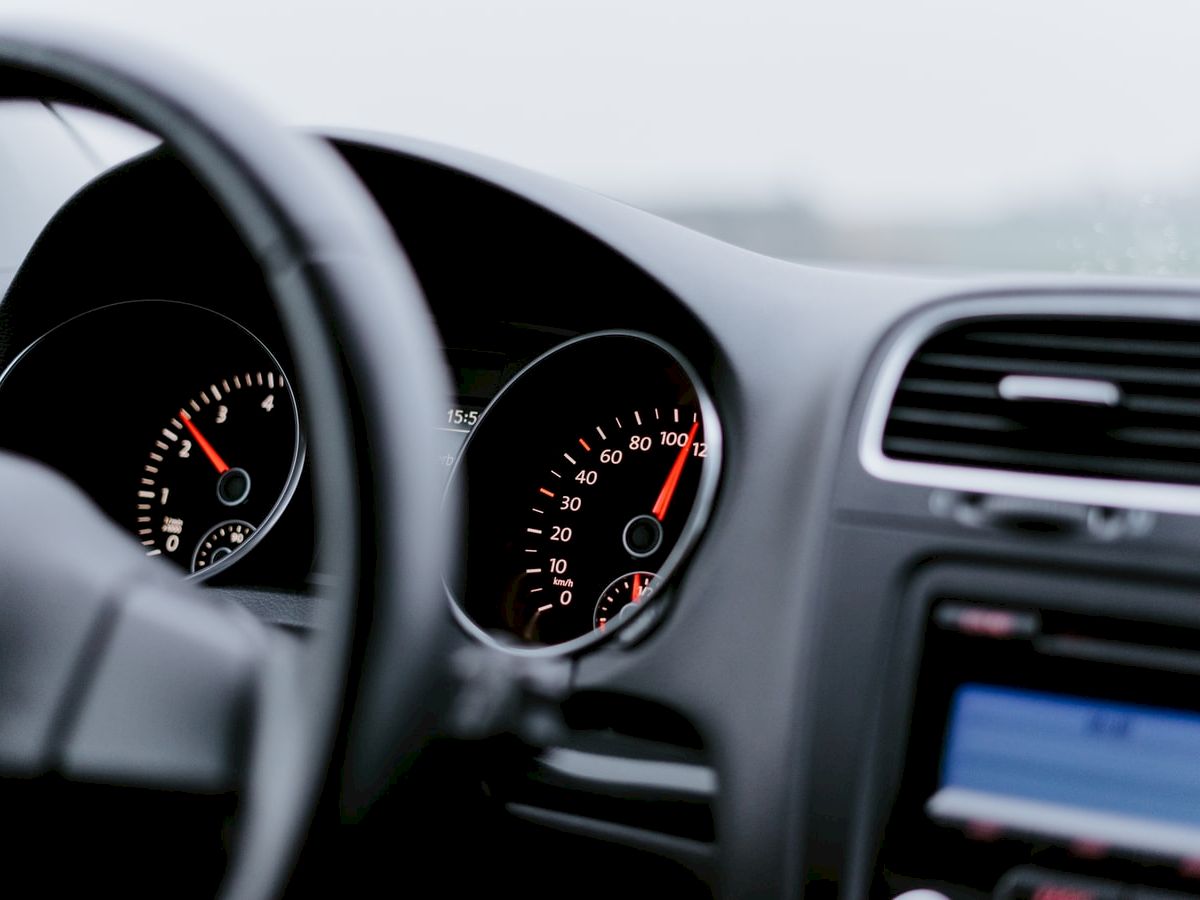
(950, 419)
(1170, 406)
(1092, 345)
(948, 388)
(947, 408)
(1047, 462)
(1159, 437)
(1061, 369)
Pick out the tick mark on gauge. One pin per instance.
(170, 435)
(569, 458)
(195, 405)
(618, 421)
(534, 530)
(600, 431)
(546, 492)
(555, 474)
(538, 511)
(637, 417)
(216, 393)
(584, 444)
(546, 607)
(677, 414)
(535, 590)
(204, 397)
(533, 571)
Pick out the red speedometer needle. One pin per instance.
(668, 489)
(213, 456)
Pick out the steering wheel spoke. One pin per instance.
(170, 696)
(114, 671)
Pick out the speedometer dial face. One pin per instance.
(587, 480)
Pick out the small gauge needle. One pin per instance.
(213, 456)
(637, 587)
(668, 489)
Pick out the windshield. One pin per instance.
(934, 135)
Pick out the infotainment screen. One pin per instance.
(1074, 768)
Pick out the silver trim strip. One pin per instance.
(1160, 497)
(961, 806)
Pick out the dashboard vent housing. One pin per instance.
(1115, 398)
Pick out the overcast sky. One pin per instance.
(891, 108)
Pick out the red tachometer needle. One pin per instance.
(637, 587)
(213, 456)
(668, 489)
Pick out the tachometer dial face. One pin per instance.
(176, 420)
(226, 451)
(586, 479)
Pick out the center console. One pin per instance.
(1054, 744)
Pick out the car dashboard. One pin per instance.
(869, 583)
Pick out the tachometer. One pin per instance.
(587, 480)
(226, 452)
(178, 421)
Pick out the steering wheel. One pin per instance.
(114, 672)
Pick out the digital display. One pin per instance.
(1081, 769)
(456, 423)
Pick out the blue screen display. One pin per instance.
(1127, 760)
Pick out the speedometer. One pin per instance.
(586, 480)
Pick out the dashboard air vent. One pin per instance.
(1112, 398)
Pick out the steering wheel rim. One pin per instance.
(367, 366)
